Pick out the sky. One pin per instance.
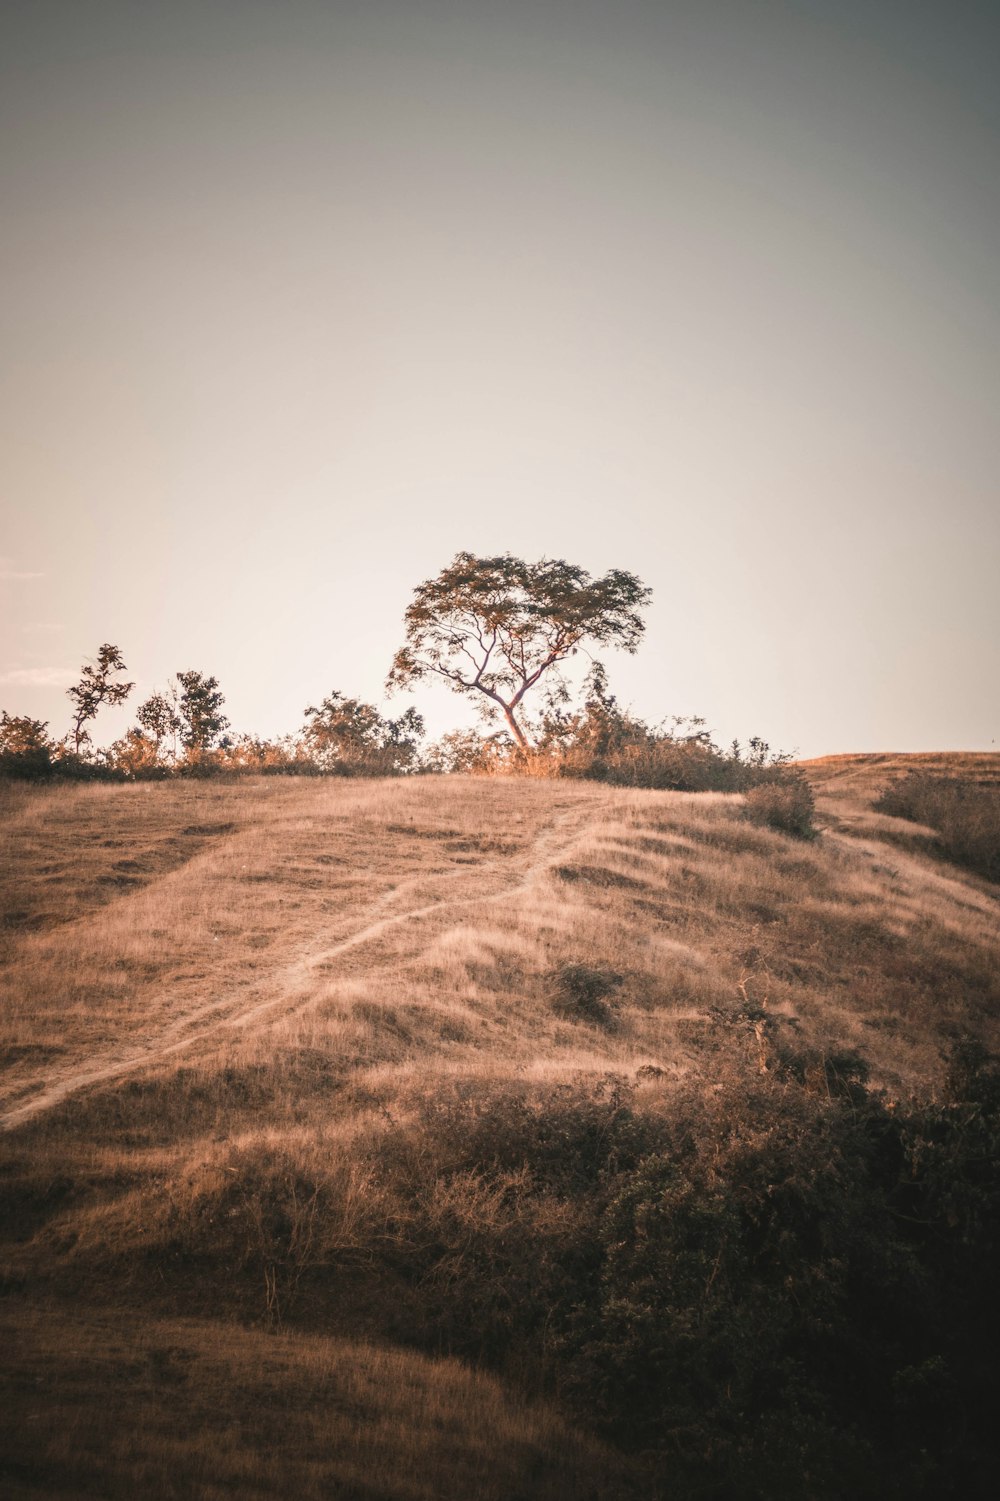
(300, 298)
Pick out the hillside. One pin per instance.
(316, 1095)
(847, 785)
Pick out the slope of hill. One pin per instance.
(847, 785)
(314, 1090)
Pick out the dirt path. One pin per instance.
(200, 1024)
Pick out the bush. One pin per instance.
(604, 743)
(350, 738)
(581, 991)
(796, 1296)
(25, 748)
(965, 814)
(267, 758)
(664, 762)
(784, 802)
(136, 757)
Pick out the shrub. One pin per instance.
(783, 801)
(25, 748)
(801, 1285)
(259, 757)
(581, 991)
(136, 757)
(605, 743)
(351, 738)
(965, 813)
(469, 752)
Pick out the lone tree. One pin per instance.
(97, 687)
(496, 626)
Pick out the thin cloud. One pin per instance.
(40, 627)
(39, 677)
(9, 571)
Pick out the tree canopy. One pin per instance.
(97, 686)
(199, 710)
(351, 737)
(496, 626)
(158, 719)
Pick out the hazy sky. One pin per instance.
(299, 298)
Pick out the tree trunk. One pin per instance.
(515, 729)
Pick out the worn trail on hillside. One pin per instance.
(200, 1024)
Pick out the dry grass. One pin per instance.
(846, 787)
(233, 1015)
(191, 1410)
(965, 815)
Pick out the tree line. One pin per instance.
(499, 631)
(183, 731)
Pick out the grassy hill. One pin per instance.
(339, 1117)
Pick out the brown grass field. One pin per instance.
(240, 1019)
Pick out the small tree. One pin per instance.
(97, 687)
(494, 627)
(351, 737)
(159, 720)
(199, 710)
